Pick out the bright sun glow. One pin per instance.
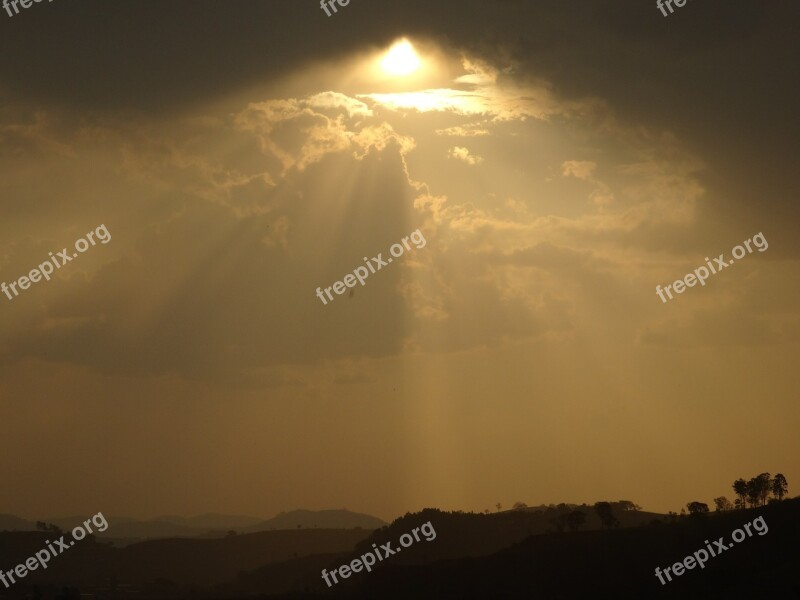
(401, 59)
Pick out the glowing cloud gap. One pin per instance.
(401, 59)
(460, 102)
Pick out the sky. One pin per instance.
(557, 161)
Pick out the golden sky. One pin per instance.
(187, 366)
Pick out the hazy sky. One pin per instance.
(560, 159)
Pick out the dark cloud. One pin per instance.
(718, 75)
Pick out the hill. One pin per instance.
(459, 535)
(91, 563)
(215, 561)
(508, 555)
(13, 523)
(125, 531)
(321, 519)
(617, 564)
(212, 521)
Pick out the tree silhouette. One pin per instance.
(627, 505)
(740, 487)
(499, 507)
(764, 487)
(576, 519)
(722, 503)
(560, 522)
(520, 506)
(42, 526)
(758, 489)
(752, 492)
(780, 487)
(606, 514)
(697, 508)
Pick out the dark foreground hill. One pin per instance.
(470, 558)
(618, 564)
(458, 535)
(173, 563)
(214, 561)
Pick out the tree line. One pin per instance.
(753, 492)
(757, 491)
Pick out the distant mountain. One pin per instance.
(92, 563)
(319, 519)
(13, 523)
(125, 530)
(212, 521)
(131, 529)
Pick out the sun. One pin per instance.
(401, 59)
